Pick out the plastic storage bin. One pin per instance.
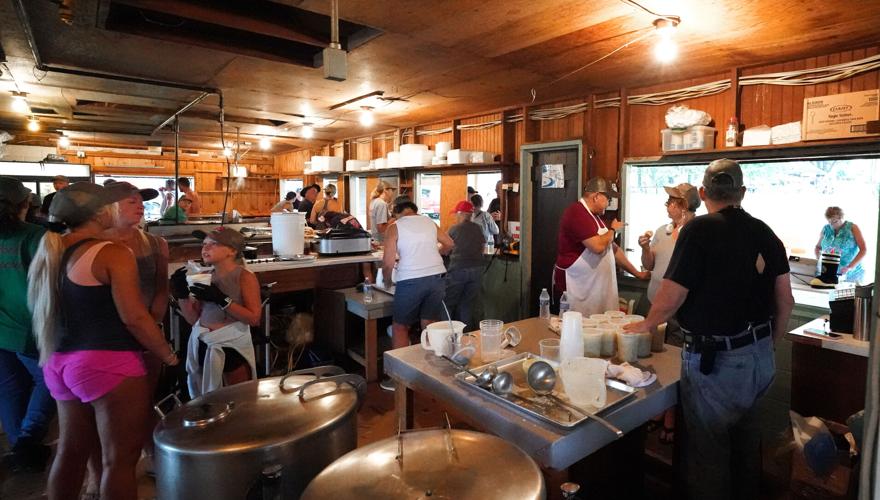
(696, 137)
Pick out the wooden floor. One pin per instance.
(376, 421)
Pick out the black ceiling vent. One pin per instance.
(258, 28)
(36, 110)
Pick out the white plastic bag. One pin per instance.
(681, 117)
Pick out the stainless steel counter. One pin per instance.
(418, 370)
(304, 264)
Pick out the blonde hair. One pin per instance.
(377, 192)
(44, 288)
(43, 292)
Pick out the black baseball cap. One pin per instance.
(601, 185)
(723, 173)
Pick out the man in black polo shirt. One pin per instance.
(728, 281)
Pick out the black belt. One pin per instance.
(699, 343)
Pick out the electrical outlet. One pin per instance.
(515, 187)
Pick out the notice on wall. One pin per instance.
(552, 176)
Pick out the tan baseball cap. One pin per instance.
(686, 192)
(223, 235)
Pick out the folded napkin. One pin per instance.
(630, 374)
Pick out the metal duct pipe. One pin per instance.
(179, 112)
(334, 24)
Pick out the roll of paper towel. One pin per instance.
(287, 233)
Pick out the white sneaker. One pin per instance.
(387, 384)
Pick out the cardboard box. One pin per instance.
(841, 483)
(840, 116)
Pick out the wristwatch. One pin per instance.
(228, 302)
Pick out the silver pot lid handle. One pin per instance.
(206, 414)
(318, 372)
(355, 381)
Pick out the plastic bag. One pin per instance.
(816, 442)
(681, 117)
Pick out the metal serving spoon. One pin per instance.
(542, 379)
(502, 385)
(484, 379)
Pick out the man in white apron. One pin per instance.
(585, 263)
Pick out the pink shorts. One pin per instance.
(90, 375)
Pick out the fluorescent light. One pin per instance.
(33, 124)
(367, 118)
(307, 131)
(64, 142)
(19, 103)
(265, 143)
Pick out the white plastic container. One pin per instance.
(482, 157)
(699, 137)
(672, 140)
(327, 164)
(441, 149)
(592, 342)
(356, 165)
(415, 157)
(393, 159)
(455, 156)
(287, 233)
(571, 340)
(412, 148)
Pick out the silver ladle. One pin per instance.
(502, 385)
(484, 379)
(542, 380)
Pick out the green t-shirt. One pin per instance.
(17, 249)
(174, 214)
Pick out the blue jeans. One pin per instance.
(722, 439)
(26, 407)
(462, 289)
(418, 299)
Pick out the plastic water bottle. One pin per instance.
(544, 304)
(368, 291)
(563, 304)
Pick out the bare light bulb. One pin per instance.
(666, 50)
(367, 118)
(227, 152)
(307, 131)
(33, 124)
(19, 103)
(265, 143)
(64, 142)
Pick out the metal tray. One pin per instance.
(542, 407)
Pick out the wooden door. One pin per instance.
(547, 207)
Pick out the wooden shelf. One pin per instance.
(238, 192)
(803, 148)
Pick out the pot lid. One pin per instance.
(258, 413)
(431, 464)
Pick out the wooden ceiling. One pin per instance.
(433, 59)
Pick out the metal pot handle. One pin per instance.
(158, 406)
(318, 372)
(356, 381)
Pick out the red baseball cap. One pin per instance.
(464, 206)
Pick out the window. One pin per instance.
(428, 195)
(288, 185)
(484, 184)
(360, 199)
(152, 208)
(789, 195)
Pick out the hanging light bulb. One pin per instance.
(307, 131)
(367, 117)
(265, 143)
(19, 102)
(64, 142)
(666, 49)
(227, 152)
(33, 124)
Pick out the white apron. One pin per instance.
(591, 281)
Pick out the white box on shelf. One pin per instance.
(482, 157)
(407, 148)
(415, 157)
(327, 163)
(456, 156)
(757, 136)
(356, 165)
(786, 133)
(377, 164)
(393, 159)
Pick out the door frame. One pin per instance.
(525, 214)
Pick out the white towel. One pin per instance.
(631, 375)
(207, 378)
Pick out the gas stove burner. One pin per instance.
(267, 260)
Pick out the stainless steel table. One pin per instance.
(380, 307)
(415, 369)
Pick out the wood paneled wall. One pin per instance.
(490, 139)
(432, 140)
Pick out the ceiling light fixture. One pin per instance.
(666, 49)
(265, 143)
(307, 131)
(227, 152)
(33, 124)
(20, 103)
(367, 119)
(64, 142)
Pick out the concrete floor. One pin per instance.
(376, 421)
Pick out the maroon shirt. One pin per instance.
(576, 225)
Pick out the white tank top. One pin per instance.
(417, 248)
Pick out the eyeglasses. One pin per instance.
(673, 201)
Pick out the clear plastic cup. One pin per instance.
(617, 321)
(201, 278)
(591, 323)
(614, 314)
(598, 317)
(592, 342)
(634, 318)
(549, 349)
(627, 347)
(491, 338)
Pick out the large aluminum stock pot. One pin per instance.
(258, 439)
(444, 464)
